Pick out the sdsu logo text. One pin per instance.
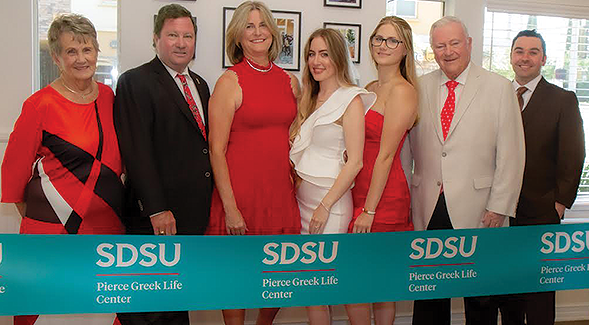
(127, 255)
(290, 253)
(562, 242)
(449, 248)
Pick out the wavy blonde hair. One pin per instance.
(407, 65)
(238, 24)
(338, 53)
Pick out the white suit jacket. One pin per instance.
(480, 164)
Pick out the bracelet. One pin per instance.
(368, 212)
(324, 207)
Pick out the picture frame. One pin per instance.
(289, 24)
(352, 34)
(343, 3)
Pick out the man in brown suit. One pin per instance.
(555, 152)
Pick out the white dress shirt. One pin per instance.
(531, 87)
(191, 86)
(461, 79)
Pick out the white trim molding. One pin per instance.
(562, 8)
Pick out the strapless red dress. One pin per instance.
(393, 210)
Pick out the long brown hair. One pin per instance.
(338, 52)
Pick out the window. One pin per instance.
(102, 13)
(403, 8)
(424, 14)
(567, 64)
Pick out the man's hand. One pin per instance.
(164, 223)
(493, 220)
(560, 209)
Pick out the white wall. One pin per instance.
(136, 19)
(16, 83)
(137, 26)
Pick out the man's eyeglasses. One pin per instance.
(391, 42)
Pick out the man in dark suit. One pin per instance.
(161, 122)
(555, 152)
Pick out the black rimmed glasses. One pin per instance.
(391, 42)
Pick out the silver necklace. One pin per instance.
(76, 92)
(258, 69)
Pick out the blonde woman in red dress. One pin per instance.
(250, 112)
(381, 195)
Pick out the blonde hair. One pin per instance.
(407, 65)
(338, 53)
(238, 24)
(80, 26)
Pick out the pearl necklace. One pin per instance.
(258, 69)
(77, 92)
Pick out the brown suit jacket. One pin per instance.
(555, 152)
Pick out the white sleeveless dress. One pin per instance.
(318, 156)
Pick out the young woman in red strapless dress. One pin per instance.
(381, 194)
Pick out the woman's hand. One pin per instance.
(234, 222)
(363, 223)
(318, 220)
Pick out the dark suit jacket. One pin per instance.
(165, 154)
(555, 152)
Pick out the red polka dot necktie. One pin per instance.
(192, 105)
(448, 109)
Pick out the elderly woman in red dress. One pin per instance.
(62, 166)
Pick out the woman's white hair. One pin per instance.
(445, 21)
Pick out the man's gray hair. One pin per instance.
(445, 21)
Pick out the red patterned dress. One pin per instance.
(257, 155)
(63, 160)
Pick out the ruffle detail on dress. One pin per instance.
(321, 168)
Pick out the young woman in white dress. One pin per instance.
(328, 141)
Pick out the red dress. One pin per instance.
(258, 155)
(63, 160)
(393, 209)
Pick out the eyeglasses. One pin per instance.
(391, 42)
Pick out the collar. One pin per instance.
(461, 79)
(530, 85)
(173, 72)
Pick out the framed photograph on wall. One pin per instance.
(352, 34)
(343, 3)
(289, 26)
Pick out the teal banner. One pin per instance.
(47, 274)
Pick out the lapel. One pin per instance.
(170, 87)
(203, 93)
(468, 94)
(433, 97)
(536, 101)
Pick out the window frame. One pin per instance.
(579, 212)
